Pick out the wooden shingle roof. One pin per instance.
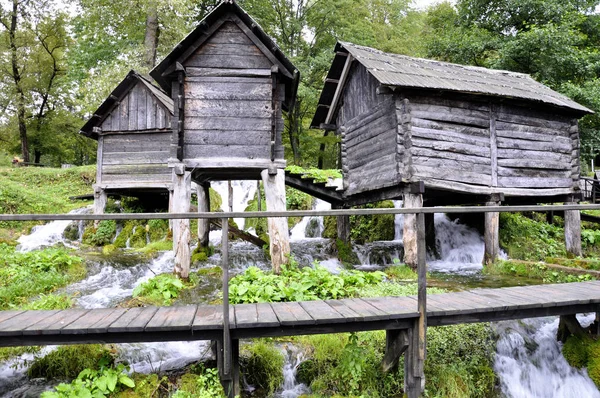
(400, 71)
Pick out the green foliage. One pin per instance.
(534, 271)
(103, 235)
(400, 272)
(203, 385)
(157, 229)
(317, 175)
(263, 366)
(163, 289)
(94, 384)
(25, 275)
(527, 239)
(375, 227)
(294, 284)
(201, 254)
(66, 362)
(575, 351)
(124, 235)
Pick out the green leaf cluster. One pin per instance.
(206, 384)
(26, 275)
(163, 289)
(94, 384)
(298, 284)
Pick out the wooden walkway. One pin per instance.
(205, 322)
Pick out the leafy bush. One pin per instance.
(375, 227)
(527, 239)
(94, 383)
(294, 284)
(204, 385)
(163, 289)
(103, 235)
(534, 271)
(25, 275)
(317, 175)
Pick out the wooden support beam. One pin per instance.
(100, 199)
(430, 235)
(182, 185)
(396, 343)
(203, 206)
(278, 227)
(411, 200)
(491, 234)
(573, 230)
(343, 227)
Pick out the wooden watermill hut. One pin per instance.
(133, 130)
(449, 134)
(230, 84)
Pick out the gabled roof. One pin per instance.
(117, 95)
(400, 71)
(207, 27)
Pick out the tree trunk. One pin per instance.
(16, 75)
(151, 36)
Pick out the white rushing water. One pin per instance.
(243, 193)
(291, 388)
(310, 227)
(529, 362)
(48, 234)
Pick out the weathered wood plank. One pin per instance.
(534, 182)
(533, 155)
(453, 118)
(395, 307)
(290, 314)
(223, 36)
(450, 110)
(518, 172)
(141, 178)
(533, 164)
(246, 315)
(369, 131)
(344, 310)
(461, 157)
(322, 312)
(258, 89)
(131, 158)
(266, 315)
(222, 137)
(381, 110)
(136, 142)
(234, 108)
(209, 317)
(54, 324)
(227, 123)
(137, 169)
(96, 321)
(451, 127)
(474, 150)
(172, 319)
(6, 315)
(549, 123)
(236, 151)
(232, 61)
(454, 164)
(514, 143)
(200, 74)
(228, 49)
(365, 310)
(443, 135)
(134, 320)
(16, 324)
(450, 103)
(452, 174)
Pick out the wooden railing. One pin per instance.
(416, 339)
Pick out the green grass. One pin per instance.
(31, 190)
(533, 271)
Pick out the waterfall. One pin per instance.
(529, 362)
(398, 221)
(243, 192)
(291, 388)
(310, 227)
(48, 234)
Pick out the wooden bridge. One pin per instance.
(405, 319)
(205, 322)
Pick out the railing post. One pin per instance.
(226, 346)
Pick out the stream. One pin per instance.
(528, 358)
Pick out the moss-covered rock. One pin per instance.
(139, 237)
(345, 253)
(330, 230)
(575, 351)
(373, 228)
(124, 235)
(158, 229)
(71, 232)
(201, 254)
(262, 365)
(67, 362)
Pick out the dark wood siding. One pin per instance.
(450, 141)
(229, 99)
(140, 157)
(534, 149)
(370, 133)
(138, 110)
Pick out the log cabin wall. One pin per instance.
(231, 99)
(367, 121)
(449, 141)
(135, 140)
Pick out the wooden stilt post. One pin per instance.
(430, 235)
(413, 197)
(258, 197)
(203, 206)
(182, 185)
(492, 232)
(100, 199)
(171, 208)
(343, 226)
(274, 183)
(573, 230)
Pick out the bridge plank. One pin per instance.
(6, 315)
(292, 314)
(365, 310)
(246, 316)
(322, 312)
(343, 309)
(102, 325)
(266, 315)
(172, 319)
(506, 297)
(395, 307)
(54, 324)
(15, 325)
(134, 320)
(208, 317)
(84, 323)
